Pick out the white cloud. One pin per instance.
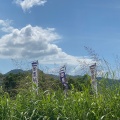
(27, 4)
(5, 26)
(37, 43)
(30, 42)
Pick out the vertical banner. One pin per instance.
(35, 74)
(93, 77)
(63, 77)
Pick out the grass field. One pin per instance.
(54, 105)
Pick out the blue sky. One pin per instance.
(56, 31)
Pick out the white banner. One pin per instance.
(93, 77)
(35, 72)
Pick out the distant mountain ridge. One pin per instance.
(16, 71)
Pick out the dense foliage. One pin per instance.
(13, 83)
(18, 101)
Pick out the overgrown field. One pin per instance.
(54, 105)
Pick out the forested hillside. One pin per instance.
(16, 80)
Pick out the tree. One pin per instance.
(80, 82)
(11, 83)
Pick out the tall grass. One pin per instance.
(54, 105)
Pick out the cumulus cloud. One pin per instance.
(34, 42)
(27, 4)
(30, 42)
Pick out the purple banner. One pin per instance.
(63, 76)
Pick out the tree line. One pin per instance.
(13, 83)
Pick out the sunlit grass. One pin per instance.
(54, 105)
